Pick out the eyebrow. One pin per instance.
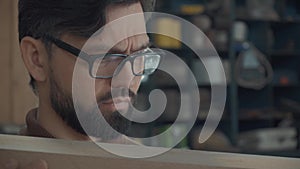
(141, 47)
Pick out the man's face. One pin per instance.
(61, 72)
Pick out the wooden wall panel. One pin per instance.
(16, 96)
(23, 98)
(5, 61)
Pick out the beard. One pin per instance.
(89, 123)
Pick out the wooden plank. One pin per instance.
(5, 62)
(23, 98)
(78, 154)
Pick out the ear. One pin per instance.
(35, 58)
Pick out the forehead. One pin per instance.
(125, 26)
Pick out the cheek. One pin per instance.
(62, 70)
(102, 86)
(69, 73)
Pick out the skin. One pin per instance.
(61, 66)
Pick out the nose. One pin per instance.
(124, 78)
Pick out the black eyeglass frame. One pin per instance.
(90, 59)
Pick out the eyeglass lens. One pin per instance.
(142, 64)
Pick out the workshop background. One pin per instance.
(259, 44)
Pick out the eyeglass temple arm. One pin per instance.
(66, 46)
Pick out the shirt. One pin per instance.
(33, 128)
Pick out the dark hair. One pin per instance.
(55, 17)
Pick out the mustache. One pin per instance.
(117, 92)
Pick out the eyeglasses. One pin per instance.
(104, 66)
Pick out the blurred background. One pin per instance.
(258, 42)
(16, 96)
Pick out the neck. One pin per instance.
(54, 124)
